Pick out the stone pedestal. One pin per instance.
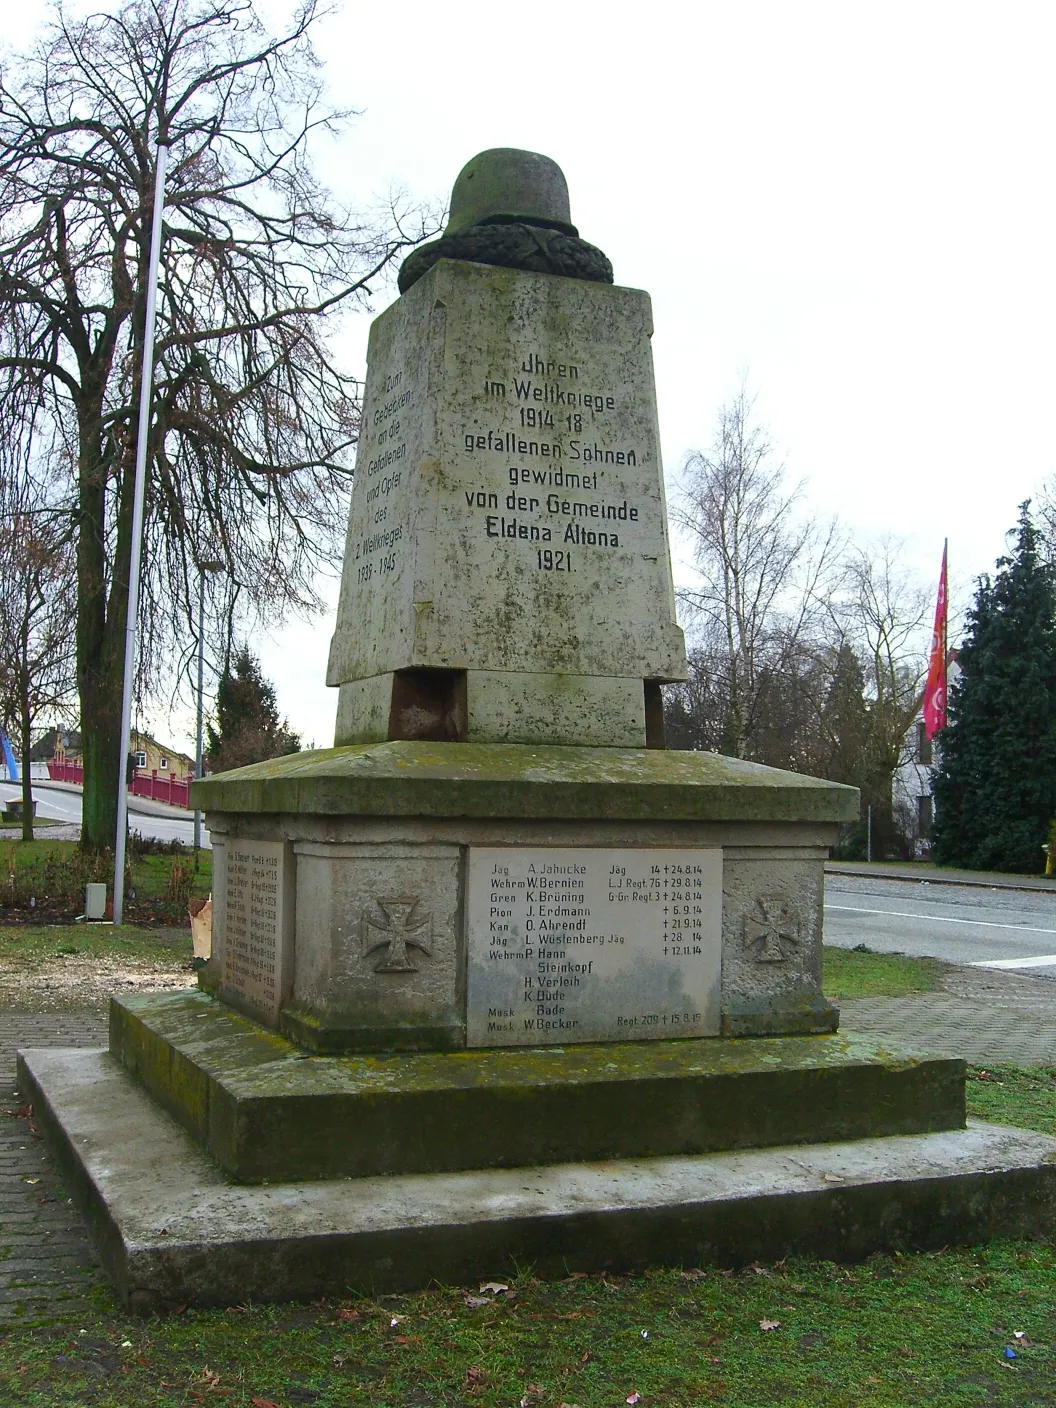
(507, 574)
(438, 896)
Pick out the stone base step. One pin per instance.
(265, 1109)
(172, 1230)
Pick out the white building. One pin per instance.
(912, 799)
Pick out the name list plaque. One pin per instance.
(253, 944)
(571, 944)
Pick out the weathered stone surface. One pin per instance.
(493, 780)
(358, 814)
(579, 943)
(508, 511)
(257, 945)
(506, 183)
(134, 1172)
(265, 1111)
(378, 956)
(773, 912)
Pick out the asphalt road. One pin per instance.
(56, 804)
(993, 928)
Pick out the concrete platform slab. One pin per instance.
(265, 1110)
(172, 1230)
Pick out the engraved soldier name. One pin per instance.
(592, 944)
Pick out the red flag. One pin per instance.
(935, 689)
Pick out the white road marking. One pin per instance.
(940, 919)
(1046, 961)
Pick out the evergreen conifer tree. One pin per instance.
(995, 785)
(248, 728)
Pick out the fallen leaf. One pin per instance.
(264, 1403)
(32, 1180)
(495, 1287)
(769, 1324)
(476, 1377)
(761, 1270)
(349, 1315)
(693, 1274)
(832, 1177)
(633, 1398)
(475, 1302)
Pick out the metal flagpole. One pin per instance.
(201, 710)
(137, 533)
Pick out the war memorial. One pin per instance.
(499, 977)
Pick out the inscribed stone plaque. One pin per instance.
(572, 944)
(257, 945)
(509, 439)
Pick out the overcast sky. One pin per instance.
(850, 204)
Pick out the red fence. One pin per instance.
(158, 789)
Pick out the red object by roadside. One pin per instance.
(935, 689)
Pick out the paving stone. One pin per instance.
(988, 1017)
(48, 1263)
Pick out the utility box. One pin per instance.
(95, 900)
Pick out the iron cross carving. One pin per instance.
(401, 928)
(771, 929)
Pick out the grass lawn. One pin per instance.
(36, 944)
(847, 972)
(892, 1332)
(49, 877)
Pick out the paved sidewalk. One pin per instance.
(47, 1263)
(990, 1018)
(932, 875)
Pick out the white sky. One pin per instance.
(851, 203)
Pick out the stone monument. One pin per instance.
(499, 933)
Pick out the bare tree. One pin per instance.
(764, 569)
(1045, 518)
(37, 618)
(885, 616)
(252, 420)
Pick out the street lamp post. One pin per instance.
(203, 568)
(139, 491)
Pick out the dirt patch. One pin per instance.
(63, 983)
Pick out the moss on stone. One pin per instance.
(270, 1111)
(525, 781)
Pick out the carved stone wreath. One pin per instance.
(512, 246)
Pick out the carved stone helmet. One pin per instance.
(505, 186)
(510, 208)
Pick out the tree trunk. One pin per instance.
(27, 780)
(101, 618)
(103, 765)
